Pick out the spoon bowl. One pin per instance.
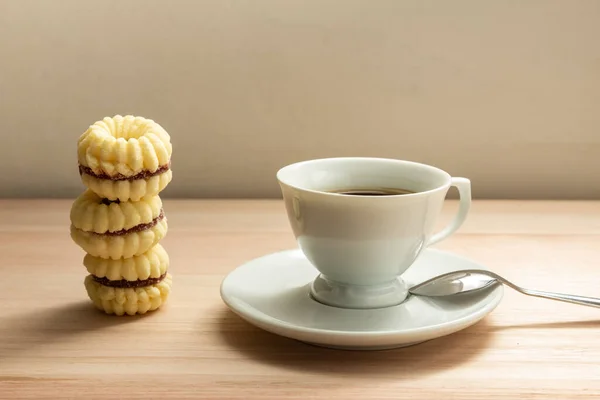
(456, 282)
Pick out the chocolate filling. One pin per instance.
(124, 283)
(120, 177)
(108, 202)
(137, 228)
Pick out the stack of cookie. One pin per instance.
(118, 221)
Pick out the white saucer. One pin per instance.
(272, 292)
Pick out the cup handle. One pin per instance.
(464, 191)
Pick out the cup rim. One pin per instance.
(394, 196)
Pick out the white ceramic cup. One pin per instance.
(361, 245)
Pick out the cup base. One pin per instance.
(345, 295)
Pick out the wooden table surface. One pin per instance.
(54, 345)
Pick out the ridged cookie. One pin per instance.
(128, 190)
(92, 213)
(125, 158)
(152, 264)
(123, 245)
(128, 301)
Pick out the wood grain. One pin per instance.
(53, 345)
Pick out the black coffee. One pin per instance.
(372, 192)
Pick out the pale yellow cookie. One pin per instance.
(152, 264)
(128, 190)
(128, 301)
(92, 213)
(125, 158)
(124, 146)
(120, 246)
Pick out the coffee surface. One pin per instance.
(372, 191)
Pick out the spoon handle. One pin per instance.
(568, 298)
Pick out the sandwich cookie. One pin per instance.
(115, 229)
(125, 158)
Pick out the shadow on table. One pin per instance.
(425, 358)
(28, 331)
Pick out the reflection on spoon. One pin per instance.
(470, 280)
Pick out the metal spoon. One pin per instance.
(470, 280)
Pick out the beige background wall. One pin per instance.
(504, 92)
